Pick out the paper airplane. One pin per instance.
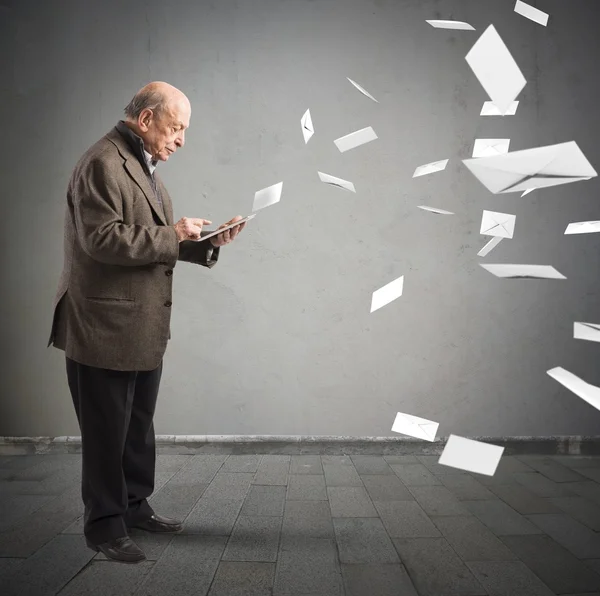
(495, 69)
(471, 456)
(498, 224)
(528, 191)
(451, 25)
(489, 147)
(523, 271)
(531, 13)
(540, 167)
(355, 139)
(587, 392)
(489, 246)
(363, 91)
(387, 293)
(588, 331)
(583, 227)
(430, 168)
(489, 109)
(435, 210)
(267, 196)
(307, 126)
(336, 182)
(413, 426)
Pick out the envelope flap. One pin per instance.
(515, 163)
(569, 161)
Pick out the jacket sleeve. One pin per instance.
(98, 212)
(199, 253)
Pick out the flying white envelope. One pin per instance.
(489, 147)
(308, 129)
(451, 25)
(363, 91)
(413, 426)
(583, 227)
(523, 271)
(336, 181)
(495, 69)
(267, 196)
(528, 191)
(588, 331)
(531, 13)
(355, 139)
(587, 392)
(435, 210)
(540, 167)
(472, 456)
(430, 168)
(489, 109)
(498, 224)
(388, 293)
(489, 246)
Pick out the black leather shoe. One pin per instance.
(158, 523)
(122, 549)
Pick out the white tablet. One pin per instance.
(237, 223)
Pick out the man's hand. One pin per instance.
(190, 228)
(228, 235)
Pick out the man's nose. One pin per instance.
(180, 141)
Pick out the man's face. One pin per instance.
(164, 134)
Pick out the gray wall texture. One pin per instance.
(278, 339)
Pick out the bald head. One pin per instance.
(159, 113)
(157, 96)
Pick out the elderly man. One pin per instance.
(112, 310)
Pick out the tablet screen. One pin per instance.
(237, 223)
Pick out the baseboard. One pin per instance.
(311, 444)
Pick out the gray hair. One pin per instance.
(152, 100)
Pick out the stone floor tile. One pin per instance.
(254, 539)
(438, 500)
(350, 501)
(415, 475)
(377, 579)
(504, 578)
(265, 500)
(363, 540)
(386, 488)
(405, 519)
(236, 578)
(371, 464)
(435, 569)
(309, 566)
(471, 539)
(574, 536)
(561, 571)
(501, 519)
(522, 500)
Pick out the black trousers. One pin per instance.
(115, 410)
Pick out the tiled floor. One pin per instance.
(315, 525)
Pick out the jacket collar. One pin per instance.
(137, 145)
(133, 165)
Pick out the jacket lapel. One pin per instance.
(134, 167)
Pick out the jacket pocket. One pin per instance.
(105, 300)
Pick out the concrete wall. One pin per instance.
(278, 338)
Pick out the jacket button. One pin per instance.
(169, 272)
(168, 303)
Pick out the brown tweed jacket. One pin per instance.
(113, 305)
